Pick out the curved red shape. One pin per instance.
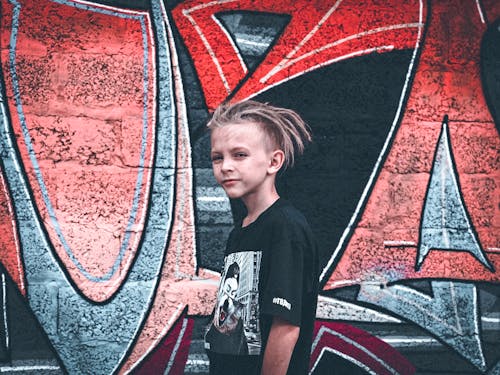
(80, 90)
(358, 346)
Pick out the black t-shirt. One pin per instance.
(270, 269)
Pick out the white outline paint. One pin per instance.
(490, 320)
(212, 199)
(325, 63)
(4, 307)
(409, 341)
(289, 62)
(208, 5)
(345, 282)
(349, 341)
(183, 129)
(251, 42)
(209, 49)
(383, 151)
(102, 6)
(283, 63)
(400, 243)
(342, 355)
(444, 166)
(231, 41)
(480, 11)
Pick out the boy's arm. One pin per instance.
(279, 347)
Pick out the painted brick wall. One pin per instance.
(113, 228)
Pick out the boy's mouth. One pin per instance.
(229, 182)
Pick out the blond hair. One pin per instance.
(285, 128)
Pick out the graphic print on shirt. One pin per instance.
(235, 326)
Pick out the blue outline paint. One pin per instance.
(31, 152)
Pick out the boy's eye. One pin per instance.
(216, 158)
(241, 154)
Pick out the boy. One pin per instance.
(273, 245)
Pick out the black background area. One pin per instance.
(490, 69)
(350, 107)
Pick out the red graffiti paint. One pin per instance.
(10, 254)
(385, 239)
(315, 36)
(170, 355)
(84, 131)
(447, 81)
(359, 347)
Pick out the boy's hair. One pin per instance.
(286, 129)
(233, 271)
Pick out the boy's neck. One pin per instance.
(257, 207)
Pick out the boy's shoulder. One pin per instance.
(283, 213)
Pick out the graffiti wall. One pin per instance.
(112, 225)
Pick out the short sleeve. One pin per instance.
(283, 288)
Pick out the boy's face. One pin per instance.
(241, 159)
(228, 311)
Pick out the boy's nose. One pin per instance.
(227, 165)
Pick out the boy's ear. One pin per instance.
(276, 162)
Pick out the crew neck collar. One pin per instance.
(262, 214)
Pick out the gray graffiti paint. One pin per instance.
(445, 222)
(50, 294)
(451, 314)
